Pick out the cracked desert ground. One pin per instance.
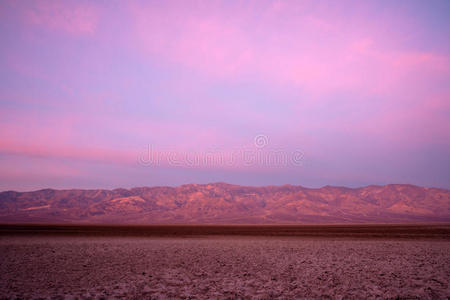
(223, 267)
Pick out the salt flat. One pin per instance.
(223, 267)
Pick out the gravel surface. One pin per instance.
(223, 267)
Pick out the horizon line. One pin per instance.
(226, 183)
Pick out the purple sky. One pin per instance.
(308, 93)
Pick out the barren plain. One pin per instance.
(223, 267)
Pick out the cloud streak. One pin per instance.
(346, 83)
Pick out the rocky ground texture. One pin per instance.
(223, 268)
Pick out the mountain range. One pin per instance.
(222, 203)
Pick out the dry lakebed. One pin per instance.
(214, 266)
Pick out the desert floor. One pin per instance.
(223, 267)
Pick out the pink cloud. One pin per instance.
(15, 169)
(174, 145)
(311, 49)
(69, 136)
(244, 158)
(72, 17)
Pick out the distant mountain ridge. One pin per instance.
(222, 203)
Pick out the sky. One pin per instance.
(107, 94)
